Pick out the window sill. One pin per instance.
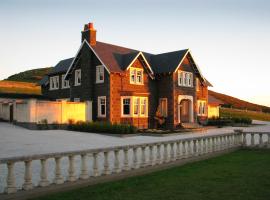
(98, 82)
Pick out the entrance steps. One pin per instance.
(190, 125)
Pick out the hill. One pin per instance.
(232, 102)
(19, 87)
(31, 76)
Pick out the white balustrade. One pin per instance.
(172, 150)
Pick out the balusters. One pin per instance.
(195, 153)
(268, 140)
(165, 153)
(126, 166)
(117, 168)
(58, 174)
(71, 169)
(252, 142)
(28, 185)
(84, 172)
(172, 156)
(143, 159)
(178, 150)
(151, 155)
(135, 158)
(106, 164)
(95, 165)
(184, 150)
(43, 174)
(158, 160)
(208, 145)
(260, 140)
(11, 183)
(188, 149)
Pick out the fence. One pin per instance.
(114, 160)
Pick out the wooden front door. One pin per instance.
(184, 111)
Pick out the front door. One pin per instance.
(184, 111)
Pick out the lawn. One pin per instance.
(228, 112)
(243, 174)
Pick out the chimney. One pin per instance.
(89, 33)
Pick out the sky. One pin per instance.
(229, 39)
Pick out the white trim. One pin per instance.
(63, 82)
(188, 51)
(199, 113)
(135, 78)
(99, 106)
(132, 100)
(140, 53)
(51, 79)
(185, 81)
(130, 106)
(97, 75)
(85, 42)
(191, 109)
(76, 77)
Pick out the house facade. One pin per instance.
(131, 86)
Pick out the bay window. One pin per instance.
(134, 106)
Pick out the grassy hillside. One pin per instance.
(19, 87)
(228, 112)
(232, 102)
(31, 76)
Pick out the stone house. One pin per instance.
(131, 86)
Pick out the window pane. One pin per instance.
(136, 105)
(139, 76)
(143, 106)
(103, 109)
(126, 106)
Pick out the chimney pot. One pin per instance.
(90, 26)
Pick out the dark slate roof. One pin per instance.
(214, 101)
(166, 62)
(62, 66)
(22, 96)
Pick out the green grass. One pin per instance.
(243, 174)
(228, 112)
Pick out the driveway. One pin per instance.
(18, 141)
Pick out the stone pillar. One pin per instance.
(71, 170)
(43, 174)
(28, 185)
(106, 164)
(84, 172)
(58, 174)
(11, 183)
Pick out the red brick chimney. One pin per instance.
(89, 33)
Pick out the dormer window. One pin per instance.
(100, 74)
(78, 77)
(136, 76)
(185, 79)
(54, 82)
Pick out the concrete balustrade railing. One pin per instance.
(126, 157)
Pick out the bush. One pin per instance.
(102, 127)
(228, 121)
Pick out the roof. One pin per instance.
(214, 101)
(22, 96)
(117, 58)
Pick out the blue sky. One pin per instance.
(229, 39)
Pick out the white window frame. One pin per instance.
(54, 83)
(164, 113)
(136, 71)
(201, 108)
(99, 106)
(65, 83)
(78, 72)
(142, 101)
(185, 79)
(99, 73)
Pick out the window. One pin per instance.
(78, 77)
(100, 74)
(65, 83)
(136, 76)
(163, 106)
(185, 79)
(143, 106)
(134, 106)
(102, 106)
(54, 82)
(126, 106)
(77, 99)
(201, 108)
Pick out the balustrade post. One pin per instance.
(158, 160)
(58, 174)
(126, 166)
(84, 172)
(106, 164)
(43, 174)
(172, 156)
(117, 168)
(208, 145)
(195, 153)
(95, 165)
(268, 140)
(244, 140)
(184, 150)
(165, 155)
(135, 158)
(143, 158)
(11, 181)
(188, 149)
(28, 185)
(151, 156)
(71, 169)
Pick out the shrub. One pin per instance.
(226, 121)
(102, 127)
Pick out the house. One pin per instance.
(131, 86)
(213, 106)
